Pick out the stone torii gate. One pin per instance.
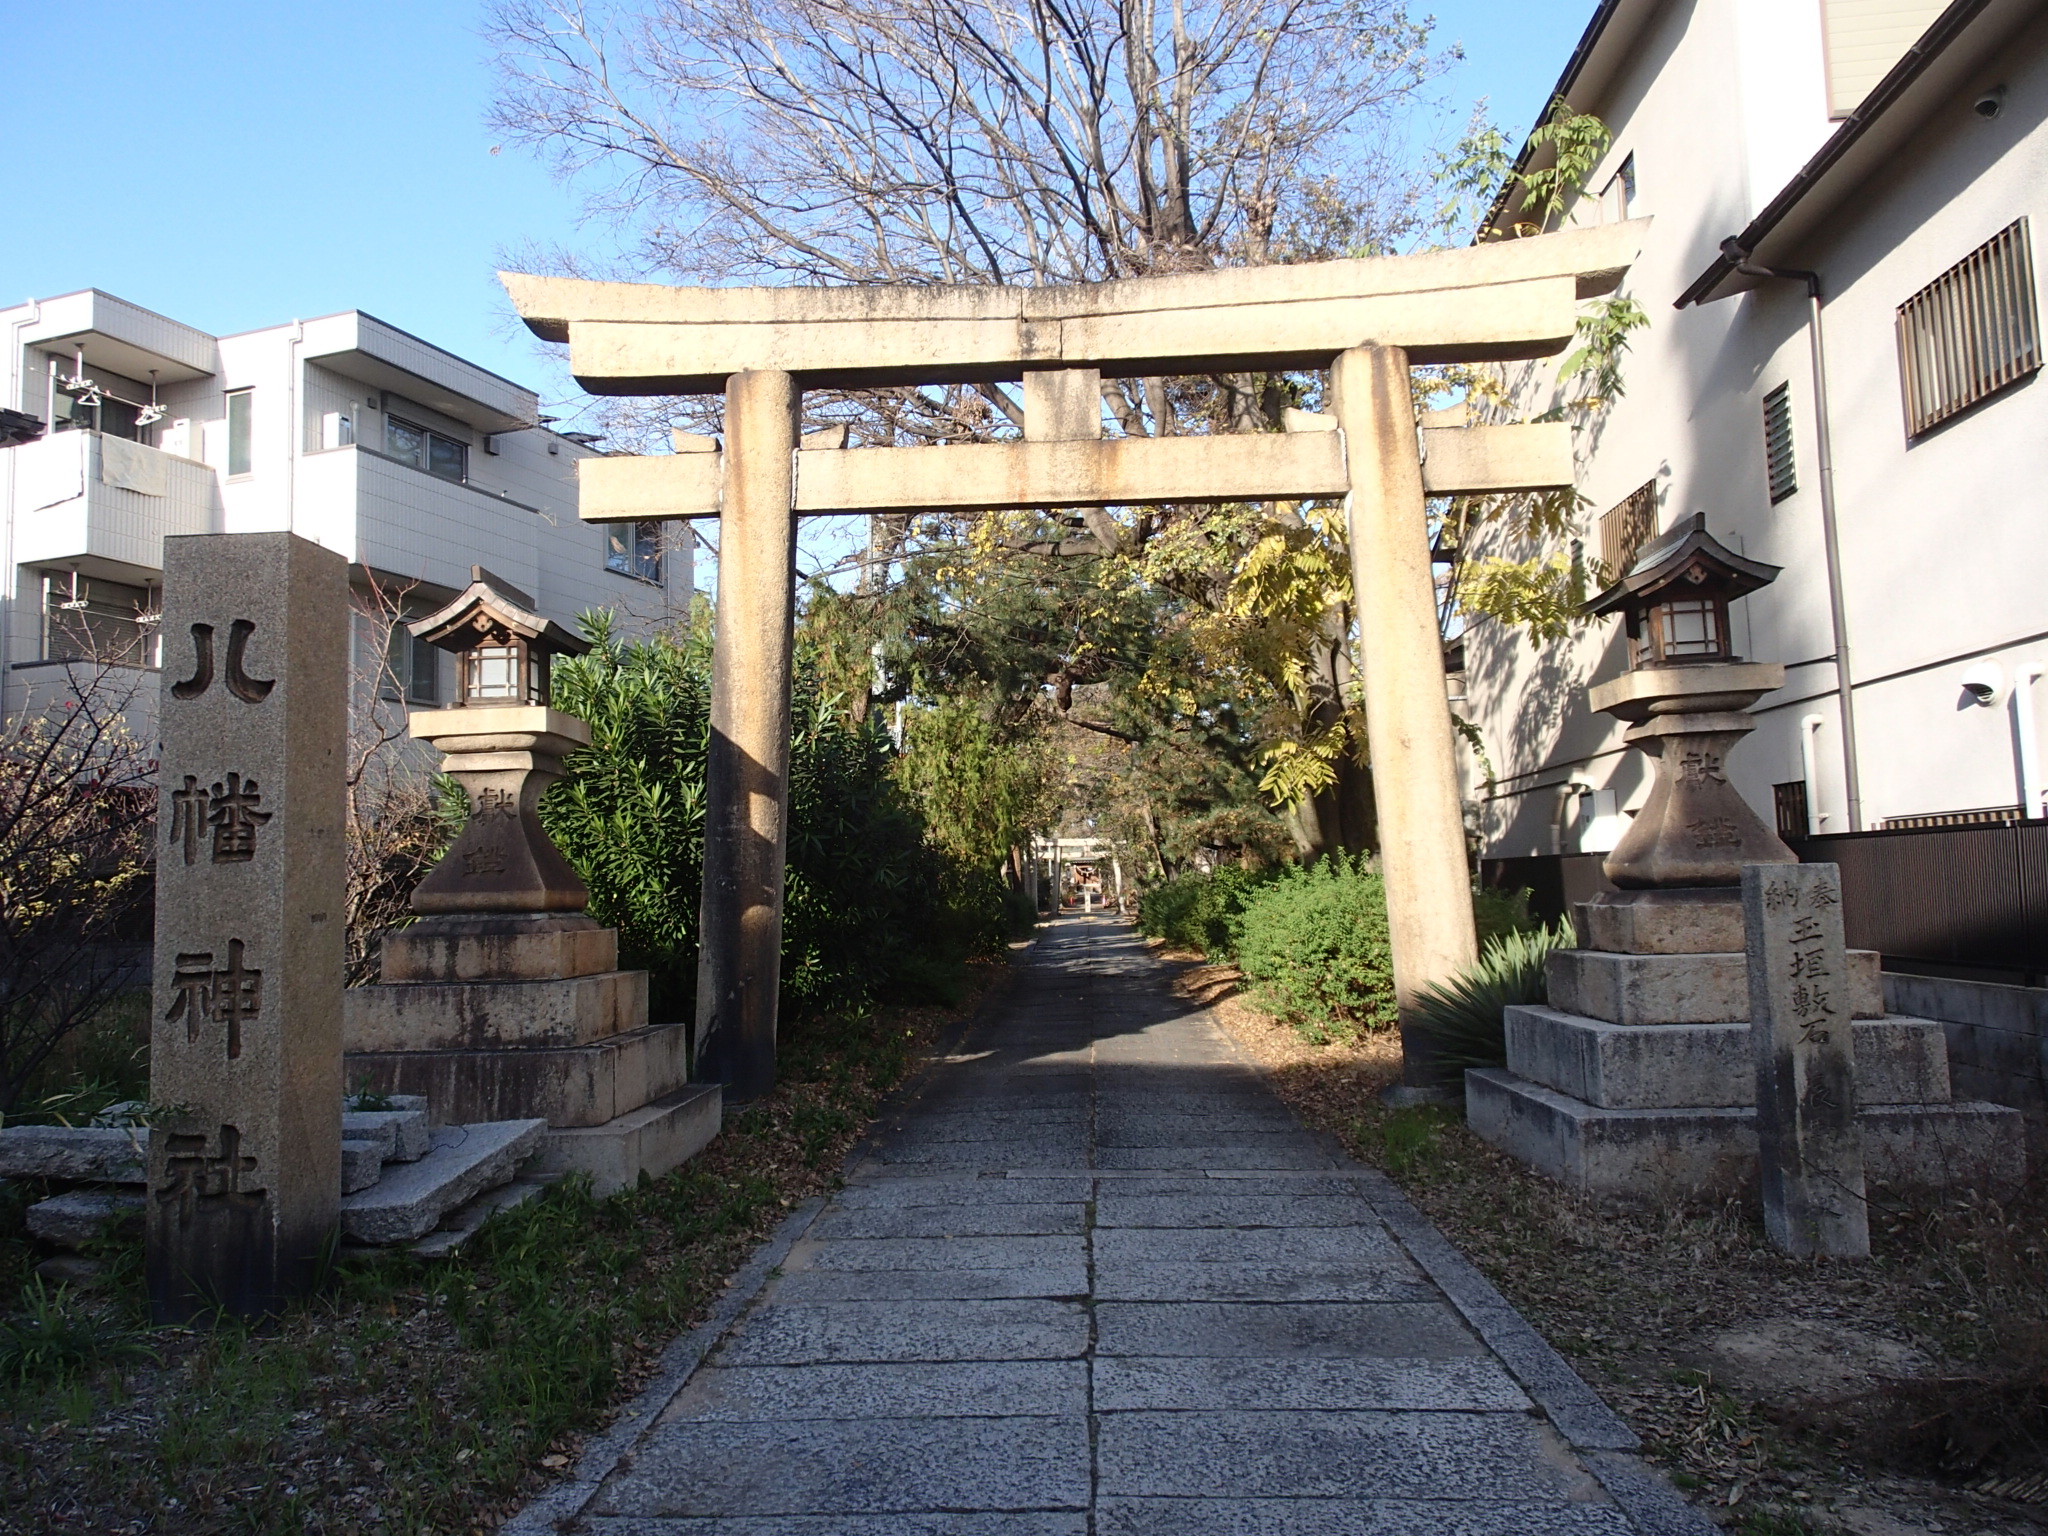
(1366, 321)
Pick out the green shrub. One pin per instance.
(871, 910)
(1313, 944)
(1462, 1017)
(1201, 911)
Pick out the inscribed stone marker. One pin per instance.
(245, 1043)
(1800, 1031)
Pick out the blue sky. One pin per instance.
(237, 165)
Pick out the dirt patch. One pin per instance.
(1780, 1392)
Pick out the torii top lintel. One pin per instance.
(1494, 302)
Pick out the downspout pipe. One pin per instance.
(1852, 779)
(2032, 789)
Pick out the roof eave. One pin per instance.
(1837, 166)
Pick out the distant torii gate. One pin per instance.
(1365, 321)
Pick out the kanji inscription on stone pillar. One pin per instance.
(245, 1044)
(1799, 1020)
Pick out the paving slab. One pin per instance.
(916, 1285)
(1353, 1517)
(1199, 1208)
(1090, 1277)
(794, 1333)
(1014, 1218)
(865, 1466)
(1326, 1455)
(938, 1253)
(974, 1389)
(1477, 1384)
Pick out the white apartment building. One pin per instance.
(121, 426)
(1898, 151)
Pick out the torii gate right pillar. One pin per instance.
(1407, 711)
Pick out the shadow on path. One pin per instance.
(1092, 1278)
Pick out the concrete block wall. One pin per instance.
(1997, 1036)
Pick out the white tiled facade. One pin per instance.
(1718, 105)
(332, 406)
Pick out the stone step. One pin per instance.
(403, 1133)
(413, 1198)
(651, 1140)
(482, 1015)
(1706, 1066)
(86, 1153)
(76, 1217)
(461, 1225)
(582, 1085)
(1685, 989)
(1647, 1156)
(362, 1163)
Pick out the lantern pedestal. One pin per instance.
(504, 757)
(505, 1001)
(1694, 830)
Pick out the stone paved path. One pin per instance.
(1094, 1279)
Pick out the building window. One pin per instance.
(1618, 197)
(241, 407)
(634, 549)
(1778, 466)
(86, 619)
(1790, 799)
(412, 671)
(422, 449)
(1626, 527)
(1970, 332)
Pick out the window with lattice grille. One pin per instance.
(1779, 467)
(1626, 527)
(1971, 332)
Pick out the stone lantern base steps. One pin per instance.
(408, 1178)
(1638, 1080)
(497, 1018)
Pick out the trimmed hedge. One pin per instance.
(1313, 945)
(1310, 940)
(1200, 912)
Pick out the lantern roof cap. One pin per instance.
(1688, 554)
(490, 602)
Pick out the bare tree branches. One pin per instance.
(77, 825)
(970, 141)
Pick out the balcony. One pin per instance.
(407, 523)
(105, 505)
(363, 348)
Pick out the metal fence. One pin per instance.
(1965, 901)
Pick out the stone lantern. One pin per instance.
(504, 743)
(1637, 1077)
(1684, 700)
(504, 1001)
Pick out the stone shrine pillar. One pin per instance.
(245, 1038)
(1810, 1142)
(746, 787)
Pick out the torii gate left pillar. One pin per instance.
(1368, 322)
(746, 789)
